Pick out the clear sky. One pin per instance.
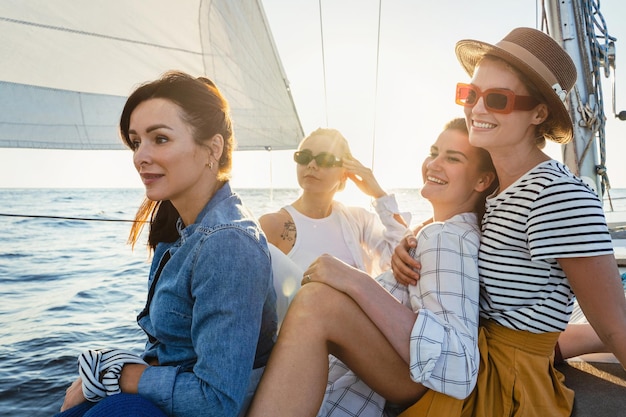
(390, 112)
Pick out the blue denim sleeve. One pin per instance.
(229, 283)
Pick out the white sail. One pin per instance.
(68, 66)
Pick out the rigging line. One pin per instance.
(380, 4)
(323, 63)
(595, 28)
(36, 216)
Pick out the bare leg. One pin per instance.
(322, 321)
(579, 339)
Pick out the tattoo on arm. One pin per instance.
(289, 232)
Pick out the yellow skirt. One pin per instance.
(516, 378)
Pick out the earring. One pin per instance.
(211, 165)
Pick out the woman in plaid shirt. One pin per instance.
(429, 337)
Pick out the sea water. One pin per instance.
(69, 282)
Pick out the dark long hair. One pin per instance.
(207, 112)
(485, 165)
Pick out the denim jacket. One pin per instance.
(212, 317)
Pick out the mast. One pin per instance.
(567, 24)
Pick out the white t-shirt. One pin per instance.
(315, 237)
(355, 235)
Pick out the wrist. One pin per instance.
(130, 376)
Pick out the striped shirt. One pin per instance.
(546, 215)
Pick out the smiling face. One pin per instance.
(171, 164)
(497, 131)
(453, 175)
(313, 178)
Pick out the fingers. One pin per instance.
(403, 274)
(364, 178)
(356, 170)
(322, 269)
(307, 275)
(403, 265)
(73, 395)
(359, 174)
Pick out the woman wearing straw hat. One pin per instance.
(544, 233)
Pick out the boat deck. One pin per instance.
(599, 382)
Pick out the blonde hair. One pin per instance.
(338, 140)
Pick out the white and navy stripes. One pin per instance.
(100, 371)
(546, 215)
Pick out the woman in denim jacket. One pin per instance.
(210, 315)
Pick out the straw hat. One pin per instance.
(541, 59)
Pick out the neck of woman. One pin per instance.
(444, 212)
(316, 206)
(191, 207)
(512, 167)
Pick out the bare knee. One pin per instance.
(316, 298)
(315, 304)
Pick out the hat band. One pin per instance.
(536, 64)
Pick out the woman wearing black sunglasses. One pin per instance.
(544, 235)
(344, 312)
(315, 223)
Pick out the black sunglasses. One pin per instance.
(322, 159)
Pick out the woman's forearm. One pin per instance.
(392, 318)
(130, 376)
